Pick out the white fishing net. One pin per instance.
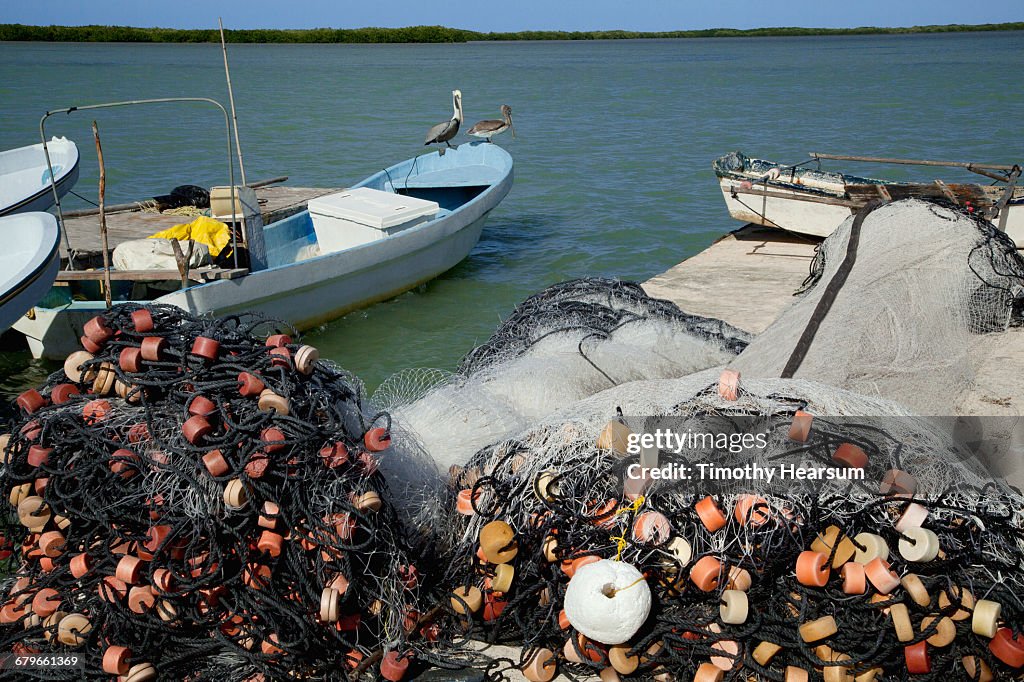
(564, 344)
(927, 281)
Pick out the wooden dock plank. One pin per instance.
(204, 274)
(745, 278)
(276, 203)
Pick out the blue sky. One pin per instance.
(514, 15)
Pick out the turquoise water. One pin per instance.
(613, 155)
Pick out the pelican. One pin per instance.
(443, 132)
(486, 129)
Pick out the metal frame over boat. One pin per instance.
(811, 201)
(28, 263)
(25, 175)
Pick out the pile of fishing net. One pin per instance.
(190, 500)
(563, 344)
(908, 563)
(900, 300)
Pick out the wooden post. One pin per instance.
(103, 216)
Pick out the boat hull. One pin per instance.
(28, 264)
(794, 213)
(35, 193)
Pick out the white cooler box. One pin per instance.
(357, 216)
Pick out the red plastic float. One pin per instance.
(278, 340)
(130, 359)
(1008, 648)
(205, 348)
(710, 514)
(377, 439)
(31, 400)
(142, 320)
(393, 666)
(97, 331)
(196, 429)
(919, 662)
(249, 385)
(62, 393)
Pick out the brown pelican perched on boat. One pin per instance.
(489, 128)
(443, 132)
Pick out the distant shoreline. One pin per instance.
(435, 34)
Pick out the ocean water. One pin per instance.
(613, 154)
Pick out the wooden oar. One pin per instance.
(103, 216)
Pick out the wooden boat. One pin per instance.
(298, 285)
(814, 202)
(28, 262)
(25, 179)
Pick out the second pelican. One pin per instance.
(489, 128)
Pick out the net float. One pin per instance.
(112, 589)
(163, 580)
(897, 482)
(765, 651)
(962, 597)
(273, 439)
(74, 367)
(278, 340)
(503, 576)
(81, 565)
(235, 494)
(467, 599)
(734, 607)
(215, 463)
(881, 576)
(800, 428)
(73, 629)
(913, 516)
(368, 463)
(142, 320)
(854, 579)
(545, 486)
(89, 345)
(201, 406)
(710, 514)
(739, 579)
(45, 602)
(945, 630)
(52, 543)
(97, 330)
(493, 607)
(196, 429)
(334, 455)
(205, 348)
(305, 359)
(377, 439)
(271, 543)
(62, 393)
(141, 598)
(465, 500)
(985, 621)
(729, 385)
(919, 545)
(1007, 647)
(103, 384)
(812, 569)
(540, 665)
(832, 540)
(330, 600)
(368, 501)
(706, 573)
(614, 438)
(249, 385)
(38, 455)
(918, 659)
(31, 401)
(115, 660)
(850, 456)
(818, 629)
(130, 359)
(268, 518)
(257, 465)
(497, 542)
(708, 672)
(977, 669)
(140, 672)
(394, 666)
(752, 509)
(129, 569)
(729, 656)
(272, 402)
(869, 547)
(280, 357)
(652, 528)
(607, 601)
(256, 576)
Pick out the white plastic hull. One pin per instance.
(816, 219)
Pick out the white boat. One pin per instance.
(25, 179)
(815, 202)
(28, 262)
(448, 197)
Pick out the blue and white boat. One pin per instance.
(25, 178)
(345, 252)
(28, 262)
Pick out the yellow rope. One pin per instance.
(621, 540)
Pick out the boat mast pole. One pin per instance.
(979, 168)
(231, 100)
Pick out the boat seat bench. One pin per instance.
(196, 275)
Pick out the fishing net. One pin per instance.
(707, 545)
(906, 316)
(565, 343)
(188, 501)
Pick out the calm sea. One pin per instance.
(613, 155)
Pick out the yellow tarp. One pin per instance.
(213, 233)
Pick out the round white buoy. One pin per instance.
(607, 601)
